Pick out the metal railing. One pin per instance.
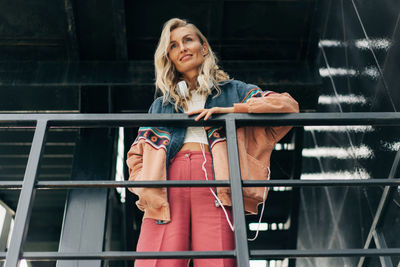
(42, 122)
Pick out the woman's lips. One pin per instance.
(186, 57)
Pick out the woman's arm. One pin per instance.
(271, 103)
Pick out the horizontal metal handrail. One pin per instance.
(124, 255)
(254, 254)
(241, 119)
(42, 122)
(293, 253)
(201, 183)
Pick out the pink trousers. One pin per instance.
(196, 222)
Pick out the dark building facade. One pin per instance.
(79, 59)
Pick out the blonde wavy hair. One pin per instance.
(167, 77)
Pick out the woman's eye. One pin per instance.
(189, 39)
(172, 46)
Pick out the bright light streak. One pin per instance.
(363, 44)
(369, 71)
(254, 226)
(325, 72)
(331, 43)
(2, 217)
(372, 72)
(339, 129)
(348, 175)
(395, 146)
(119, 174)
(375, 44)
(258, 263)
(342, 99)
(361, 152)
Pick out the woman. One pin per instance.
(191, 82)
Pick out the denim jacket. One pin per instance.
(154, 147)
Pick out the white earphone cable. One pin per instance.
(182, 87)
(212, 191)
(262, 209)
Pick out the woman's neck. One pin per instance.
(191, 81)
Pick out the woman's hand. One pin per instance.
(206, 113)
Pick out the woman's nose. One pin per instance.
(182, 47)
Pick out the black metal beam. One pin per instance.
(240, 226)
(119, 29)
(141, 73)
(26, 197)
(84, 222)
(320, 13)
(217, 27)
(72, 43)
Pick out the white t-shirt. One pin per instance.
(196, 134)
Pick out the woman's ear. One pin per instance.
(205, 49)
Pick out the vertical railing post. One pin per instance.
(242, 250)
(26, 196)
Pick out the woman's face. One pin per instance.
(186, 51)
